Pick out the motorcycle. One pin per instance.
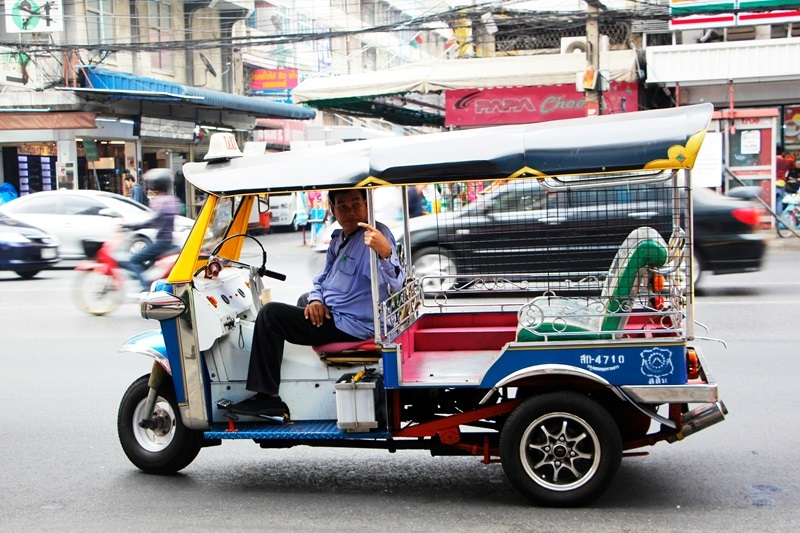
(101, 283)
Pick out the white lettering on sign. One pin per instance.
(504, 105)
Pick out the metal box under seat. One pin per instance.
(360, 401)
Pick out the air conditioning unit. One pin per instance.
(577, 45)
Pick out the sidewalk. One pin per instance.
(774, 242)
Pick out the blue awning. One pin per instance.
(126, 85)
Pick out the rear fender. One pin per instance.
(149, 343)
(550, 370)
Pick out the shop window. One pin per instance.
(750, 148)
(791, 127)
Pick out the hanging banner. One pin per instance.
(520, 105)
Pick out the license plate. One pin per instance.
(49, 253)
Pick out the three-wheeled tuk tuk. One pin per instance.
(555, 355)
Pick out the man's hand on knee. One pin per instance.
(316, 312)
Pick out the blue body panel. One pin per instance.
(619, 364)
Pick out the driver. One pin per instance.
(339, 307)
(166, 206)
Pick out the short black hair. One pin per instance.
(332, 194)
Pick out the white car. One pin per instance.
(77, 215)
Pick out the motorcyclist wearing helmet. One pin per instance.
(166, 206)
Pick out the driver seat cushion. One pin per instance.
(349, 352)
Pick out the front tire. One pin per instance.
(561, 449)
(166, 449)
(433, 261)
(788, 220)
(96, 293)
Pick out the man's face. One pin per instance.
(349, 208)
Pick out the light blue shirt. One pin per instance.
(344, 283)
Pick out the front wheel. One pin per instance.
(96, 293)
(561, 449)
(168, 446)
(788, 220)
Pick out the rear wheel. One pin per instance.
(561, 449)
(167, 446)
(96, 293)
(26, 274)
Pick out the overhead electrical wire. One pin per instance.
(512, 20)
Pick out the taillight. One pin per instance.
(692, 364)
(747, 215)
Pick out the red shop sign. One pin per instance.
(520, 105)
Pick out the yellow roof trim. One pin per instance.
(680, 156)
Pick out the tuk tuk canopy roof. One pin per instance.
(662, 139)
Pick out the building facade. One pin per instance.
(93, 88)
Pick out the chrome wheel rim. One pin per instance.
(156, 439)
(560, 451)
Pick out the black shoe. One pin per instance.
(260, 405)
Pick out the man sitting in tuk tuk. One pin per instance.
(339, 307)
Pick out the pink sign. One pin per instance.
(279, 79)
(519, 105)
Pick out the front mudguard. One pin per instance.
(102, 268)
(149, 343)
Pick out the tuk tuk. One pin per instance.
(555, 374)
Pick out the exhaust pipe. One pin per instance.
(700, 418)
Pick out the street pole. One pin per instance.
(592, 83)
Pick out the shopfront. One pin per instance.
(750, 137)
(36, 160)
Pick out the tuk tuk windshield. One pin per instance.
(221, 219)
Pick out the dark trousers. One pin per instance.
(278, 322)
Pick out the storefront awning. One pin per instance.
(47, 121)
(122, 85)
(377, 93)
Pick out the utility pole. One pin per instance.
(591, 80)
